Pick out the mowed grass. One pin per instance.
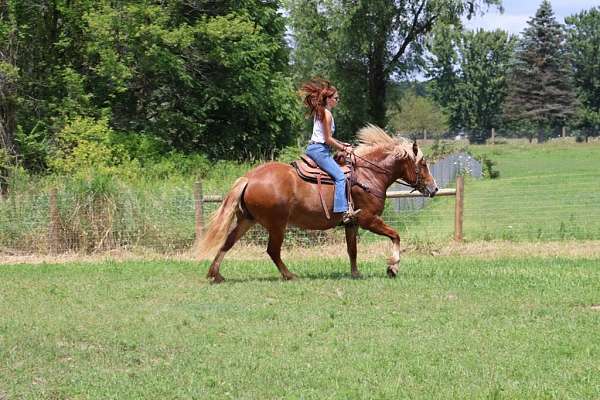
(445, 328)
(545, 192)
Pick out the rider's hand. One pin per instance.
(348, 149)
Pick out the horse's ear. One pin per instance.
(415, 148)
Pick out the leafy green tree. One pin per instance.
(417, 116)
(583, 38)
(9, 75)
(363, 45)
(468, 71)
(198, 75)
(192, 76)
(540, 82)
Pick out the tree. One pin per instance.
(9, 74)
(468, 71)
(188, 76)
(417, 115)
(540, 81)
(583, 38)
(362, 45)
(198, 75)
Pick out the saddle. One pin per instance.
(308, 170)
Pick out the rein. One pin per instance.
(386, 171)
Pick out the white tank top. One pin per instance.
(317, 134)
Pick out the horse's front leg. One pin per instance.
(351, 232)
(376, 225)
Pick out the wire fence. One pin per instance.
(565, 207)
(444, 171)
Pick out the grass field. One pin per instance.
(545, 192)
(447, 327)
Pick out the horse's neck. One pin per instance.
(377, 174)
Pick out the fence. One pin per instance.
(565, 206)
(445, 172)
(399, 196)
(66, 221)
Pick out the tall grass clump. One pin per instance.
(114, 202)
(23, 212)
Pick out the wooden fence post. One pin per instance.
(493, 135)
(458, 211)
(198, 206)
(54, 228)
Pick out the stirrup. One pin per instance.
(349, 216)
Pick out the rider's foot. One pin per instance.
(350, 216)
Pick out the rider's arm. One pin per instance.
(329, 140)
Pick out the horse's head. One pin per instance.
(397, 158)
(416, 173)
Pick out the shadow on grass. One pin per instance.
(313, 276)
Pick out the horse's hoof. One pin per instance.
(356, 275)
(290, 277)
(392, 272)
(216, 279)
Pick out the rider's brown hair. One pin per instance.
(315, 93)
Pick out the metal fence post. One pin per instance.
(459, 208)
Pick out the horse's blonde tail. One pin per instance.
(220, 223)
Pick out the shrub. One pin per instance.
(85, 143)
(488, 167)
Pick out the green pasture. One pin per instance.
(446, 328)
(544, 192)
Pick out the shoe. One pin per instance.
(350, 216)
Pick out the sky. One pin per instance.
(518, 12)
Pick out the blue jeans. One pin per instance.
(321, 155)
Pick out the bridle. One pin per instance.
(416, 186)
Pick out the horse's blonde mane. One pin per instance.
(372, 138)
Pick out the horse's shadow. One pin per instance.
(312, 276)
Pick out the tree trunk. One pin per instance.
(377, 86)
(7, 123)
(7, 140)
(8, 106)
(541, 135)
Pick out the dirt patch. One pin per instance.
(500, 249)
(366, 252)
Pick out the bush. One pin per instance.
(290, 153)
(85, 143)
(488, 167)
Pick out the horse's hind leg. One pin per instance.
(242, 226)
(276, 236)
(351, 232)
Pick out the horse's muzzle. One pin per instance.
(430, 191)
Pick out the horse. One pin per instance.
(274, 196)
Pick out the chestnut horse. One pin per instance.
(274, 196)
